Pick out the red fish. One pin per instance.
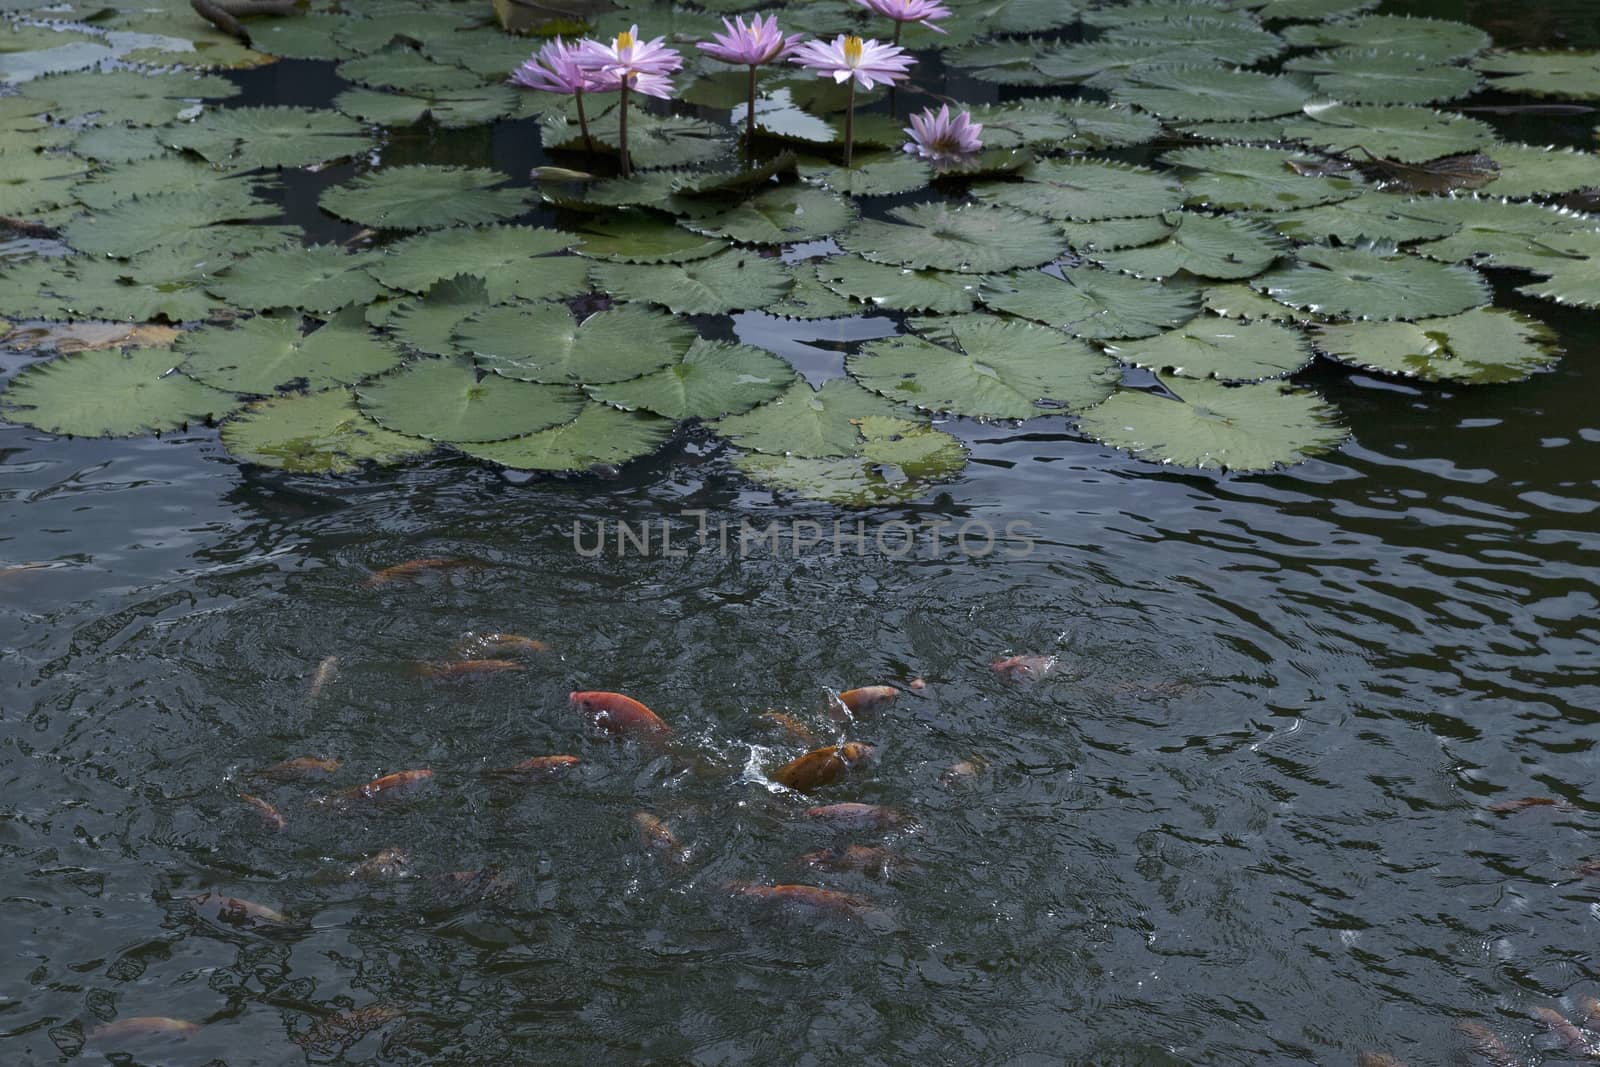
(270, 816)
(392, 785)
(620, 715)
(1506, 807)
(788, 724)
(1025, 668)
(1486, 1044)
(863, 701)
(1378, 1059)
(414, 568)
(463, 668)
(805, 896)
(539, 767)
(865, 815)
(142, 1026)
(868, 859)
(822, 766)
(300, 767)
(473, 646)
(1575, 1040)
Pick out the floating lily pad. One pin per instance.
(882, 174)
(1569, 74)
(883, 285)
(544, 343)
(728, 281)
(1227, 40)
(1226, 349)
(1236, 178)
(111, 394)
(515, 262)
(814, 424)
(448, 110)
(405, 69)
(1372, 216)
(109, 186)
(712, 379)
(169, 218)
(1211, 93)
(245, 137)
(1479, 347)
(987, 368)
(31, 182)
(786, 213)
(1086, 190)
(315, 433)
(267, 353)
(119, 144)
(1373, 282)
(1210, 247)
(1068, 125)
(422, 197)
(164, 283)
(976, 239)
(1112, 234)
(1215, 426)
(1485, 227)
(1407, 134)
(653, 141)
(641, 237)
(1436, 39)
(1091, 303)
(900, 460)
(1374, 76)
(452, 400)
(810, 299)
(1003, 61)
(314, 278)
(119, 96)
(1529, 171)
(1571, 265)
(303, 35)
(1235, 300)
(430, 323)
(600, 435)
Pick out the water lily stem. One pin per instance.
(898, 26)
(626, 167)
(849, 123)
(750, 124)
(583, 123)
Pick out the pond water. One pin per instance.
(1245, 820)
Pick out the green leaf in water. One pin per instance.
(268, 353)
(129, 96)
(1435, 39)
(1478, 347)
(783, 214)
(1091, 303)
(1235, 178)
(109, 393)
(1222, 348)
(1407, 134)
(712, 379)
(1211, 93)
(429, 324)
(883, 285)
(600, 435)
(515, 262)
(810, 423)
(423, 197)
(1372, 216)
(900, 461)
(1086, 190)
(1569, 74)
(728, 281)
(874, 174)
(1383, 76)
(1208, 246)
(643, 237)
(544, 343)
(1373, 282)
(451, 400)
(976, 239)
(313, 278)
(315, 433)
(247, 137)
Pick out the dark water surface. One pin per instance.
(1245, 823)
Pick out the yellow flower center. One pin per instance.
(852, 50)
(624, 41)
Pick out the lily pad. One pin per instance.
(1437, 39)
(880, 174)
(813, 424)
(246, 137)
(429, 324)
(1373, 282)
(1571, 265)
(1407, 134)
(1086, 190)
(31, 182)
(653, 140)
(544, 343)
(600, 435)
(407, 70)
(1380, 76)
(515, 262)
(1372, 216)
(783, 214)
(1226, 349)
(1211, 93)
(1479, 347)
(1569, 74)
(111, 394)
(642, 237)
(447, 110)
(1494, 229)
(1112, 234)
(1235, 178)
(313, 278)
(163, 283)
(129, 96)
(267, 353)
(452, 400)
(1213, 426)
(977, 239)
(882, 285)
(1529, 171)
(900, 461)
(1227, 40)
(728, 281)
(712, 379)
(1207, 246)
(422, 197)
(810, 299)
(109, 186)
(315, 433)
(1091, 303)
(987, 368)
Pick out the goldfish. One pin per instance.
(620, 715)
(863, 701)
(866, 815)
(822, 766)
(383, 866)
(270, 816)
(497, 644)
(466, 667)
(413, 568)
(330, 1036)
(300, 767)
(539, 766)
(1377, 1059)
(235, 910)
(324, 675)
(391, 785)
(1591, 1010)
(1506, 807)
(808, 896)
(961, 773)
(868, 859)
(657, 836)
(1485, 1044)
(142, 1026)
(788, 724)
(1025, 668)
(1575, 1040)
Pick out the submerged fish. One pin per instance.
(270, 816)
(465, 668)
(1486, 1044)
(1025, 668)
(235, 911)
(391, 785)
(788, 724)
(414, 568)
(866, 815)
(809, 897)
(960, 773)
(822, 766)
(1378, 1059)
(383, 866)
(331, 1035)
(917, 685)
(1574, 1039)
(473, 646)
(620, 715)
(1506, 807)
(300, 767)
(867, 859)
(324, 675)
(658, 837)
(1591, 1010)
(538, 767)
(142, 1026)
(862, 701)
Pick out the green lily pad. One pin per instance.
(1113, 234)
(1568, 74)
(163, 283)
(407, 70)
(452, 400)
(515, 262)
(1067, 125)
(712, 379)
(810, 299)
(728, 281)
(1495, 229)
(1091, 303)
(119, 144)
(900, 461)
(812, 424)
(1373, 282)
(1226, 349)
(1235, 178)
(641, 237)
(1214, 426)
(1234, 300)
(268, 353)
(1571, 265)
(246, 137)
(315, 433)
(544, 343)
(1478, 347)
(1372, 216)
(1377, 76)
(169, 218)
(448, 110)
(882, 285)
(429, 324)
(169, 174)
(653, 140)
(128, 96)
(31, 182)
(422, 197)
(1210, 247)
(1003, 61)
(874, 174)
(600, 435)
(1436, 39)
(1407, 134)
(303, 35)
(1227, 40)
(1211, 93)
(1529, 171)
(313, 278)
(987, 368)
(783, 214)
(977, 239)
(1086, 190)
(109, 393)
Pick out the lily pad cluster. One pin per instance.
(1180, 206)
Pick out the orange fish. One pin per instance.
(868, 859)
(917, 685)
(414, 568)
(822, 766)
(862, 701)
(788, 724)
(659, 837)
(1025, 668)
(270, 816)
(391, 785)
(1591, 1010)
(473, 646)
(462, 668)
(1575, 1040)
(865, 815)
(235, 911)
(142, 1026)
(1486, 1044)
(811, 897)
(539, 766)
(1506, 807)
(960, 773)
(620, 715)
(299, 768)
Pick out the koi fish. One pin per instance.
(1591, 1010)
(324, 675)
(1378, 1059)
(864, 815)
(300, 767)
(414, 568)
(463, 668)
(788, 724)
(391, 785)
(868, 859)
(960, 773)
(620, 715)
(497, 644)
(270, 816)
(142, 1026)
(1486, 1044)
(235, 911)
(383, 866)
(1025, 668)
(1506, 807)
(822, 766)
(863, 701)
(539, 766)
(1575, 1040)
(806, 896)
(658, 837)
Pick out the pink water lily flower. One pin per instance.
(752, 45)
(904, 11)
(942, 138)
(558, 68)
(849, 59)
(629, 64)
